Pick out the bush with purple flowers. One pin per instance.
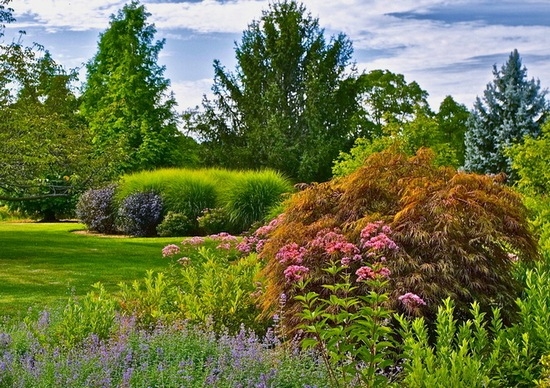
(139, 214)
(176, 355)
(95, 209)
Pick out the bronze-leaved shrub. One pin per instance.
(458, 234)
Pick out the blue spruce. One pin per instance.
(512, 107)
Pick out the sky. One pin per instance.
(449, 47)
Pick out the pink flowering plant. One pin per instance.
(349, 322)
(209, 281)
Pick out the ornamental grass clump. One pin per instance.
(455, 232)
(250, 197)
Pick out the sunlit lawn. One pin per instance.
(43, 264)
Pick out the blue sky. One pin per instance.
(448, 47)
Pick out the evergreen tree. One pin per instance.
(288, 105)
(512, 107)
(125, 98)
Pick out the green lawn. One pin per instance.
(43, 264)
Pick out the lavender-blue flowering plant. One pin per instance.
(95, 209)
(139, 214)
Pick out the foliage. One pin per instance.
(463, 354)
(477, 352)
(531, 163)
(348, 162)
(95, 208)
(165, 356)
(250, 196)
(174, 224)
(8, 215)
(529, 339)
(289, 105)
(125, 98)
(512, 108)
(442, 132)
(94, 314)
(139, 214)
(350, 332)
(6, 15)
(246, 197)
(209, 286)
(387, 98)
(213, 221)
(46, 151)
(452, 119)
(459, 234)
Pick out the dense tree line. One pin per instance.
(294, 102)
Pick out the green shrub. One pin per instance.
(175, 224)
(245, 197)
(466, 354)
(213, 221)
(93, 314)
(8, 215)
(528, 340)
(210, 287)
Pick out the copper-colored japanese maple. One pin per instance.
(458, 233)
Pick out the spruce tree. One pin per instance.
(512, 107)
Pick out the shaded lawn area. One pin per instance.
(44, 264)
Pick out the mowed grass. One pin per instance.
(44, 264)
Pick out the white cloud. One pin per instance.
(71, 14)
(443, 56)
(189, 93)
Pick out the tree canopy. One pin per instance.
(512, 108)
(45, 149)
(289, 104)
(125, 97)
(387, 97)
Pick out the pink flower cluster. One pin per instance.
(256, 241)
(347, 260)
(184, 260)
(291, 254)
(226, 240)
(295, 273)
(334, 242)
(375, 236)
(365, 273)
(411, 300)
(170, 250)
(195, 240)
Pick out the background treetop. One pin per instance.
(290, 102)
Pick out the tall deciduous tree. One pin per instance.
(45, 148)
(6, 15)
(452, 120)
(388, 98)
(289, 103)
(126, 99)
(512, 108)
